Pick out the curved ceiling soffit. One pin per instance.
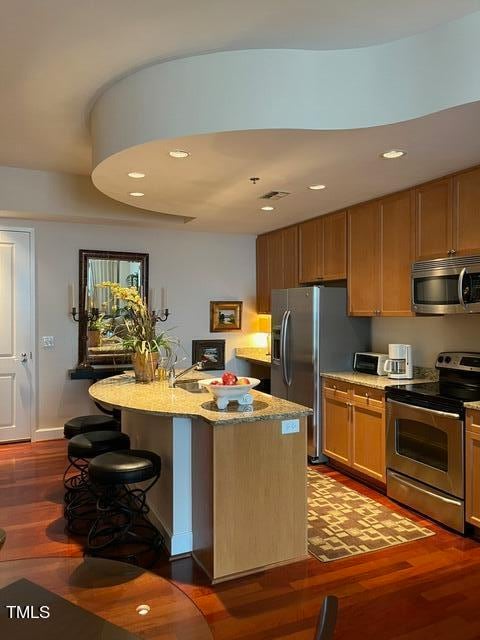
(290, 89)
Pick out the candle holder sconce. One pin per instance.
(161, 315)
(84, 318)
(90, 315)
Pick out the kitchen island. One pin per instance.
(233, 485)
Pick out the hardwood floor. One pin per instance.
(416, 591)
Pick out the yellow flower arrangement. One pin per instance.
(140, 323)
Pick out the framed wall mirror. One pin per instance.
(100, 338)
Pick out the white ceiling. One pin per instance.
(213, 184)
(56, 55)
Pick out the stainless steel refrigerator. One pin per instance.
(312, 333)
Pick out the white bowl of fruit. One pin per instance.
(230, 388)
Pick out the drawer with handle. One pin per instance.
(368, 397)
(336, 389)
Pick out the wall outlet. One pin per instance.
(48, 342)
(290, 426)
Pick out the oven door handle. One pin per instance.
(460, 287)
(434, 494)
(444, 414)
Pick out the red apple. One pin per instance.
(229, 378)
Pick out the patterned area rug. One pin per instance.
(342, 522)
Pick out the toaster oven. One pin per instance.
(368, 362)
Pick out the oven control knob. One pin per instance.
(448, 359)
(440, 358)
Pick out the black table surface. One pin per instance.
(93, 599)
(97, 373)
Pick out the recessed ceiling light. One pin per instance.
(136, 174)
(178, 153)
(317, 187)
(268, 208)
(136, 194)
(393, 153)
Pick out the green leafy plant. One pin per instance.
(99, 324)
(139, 324)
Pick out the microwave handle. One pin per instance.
(460, 287)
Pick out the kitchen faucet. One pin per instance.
(173, 377)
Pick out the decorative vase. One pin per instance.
(93, 338)
(145, 365)
(163, 367)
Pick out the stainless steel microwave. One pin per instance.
(446, 285)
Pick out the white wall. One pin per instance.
(195, 267)
(429, 335)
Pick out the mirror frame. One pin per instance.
(83, 257)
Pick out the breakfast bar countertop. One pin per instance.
(122, 392)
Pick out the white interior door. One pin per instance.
(16, 344)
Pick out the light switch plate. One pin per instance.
(290, 426)
(48, 342)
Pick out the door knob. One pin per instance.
(23, 357)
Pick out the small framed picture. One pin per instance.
(225, 316)
(210, 352)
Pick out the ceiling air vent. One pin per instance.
(274, 195)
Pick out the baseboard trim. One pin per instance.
(48, 434)
(179, 544)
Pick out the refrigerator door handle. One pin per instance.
(282, 346)
(283, 343)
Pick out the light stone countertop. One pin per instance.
(375, 382)
(472, 405)
(258, 355)
(122, 392)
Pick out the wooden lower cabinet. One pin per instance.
(353, 428)
(368, 446)
(336, 439)
(472, 468)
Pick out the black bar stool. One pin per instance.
(76, 426)
(80, 500)
(122, 530)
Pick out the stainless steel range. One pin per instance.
(425, 439)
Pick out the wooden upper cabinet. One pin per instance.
(363, 260)
(277, 264)
(397, 230)
(275, 259)
(290, 257)
(466, 212)
(310, 255)
(434, 219)
(323, 248)
(374, 244)
(263, 284)
(335, 246)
